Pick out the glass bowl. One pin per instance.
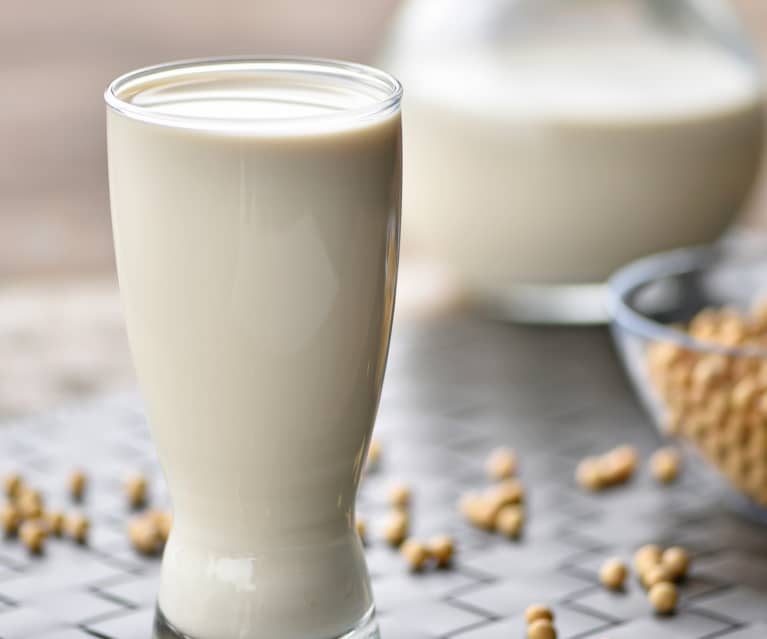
(691, 328)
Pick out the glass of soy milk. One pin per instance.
(256, 208)
(548, 142)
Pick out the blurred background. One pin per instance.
(61, 333)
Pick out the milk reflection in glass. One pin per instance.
(555, 162)
(256, 221)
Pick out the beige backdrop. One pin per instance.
(56, 56)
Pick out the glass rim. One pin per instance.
(364, 75)
(651, 268)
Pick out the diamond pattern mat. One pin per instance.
(455, 389)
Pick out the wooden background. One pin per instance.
(56, 56)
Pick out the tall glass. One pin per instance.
(256, 210)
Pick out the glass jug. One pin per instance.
(548, 142)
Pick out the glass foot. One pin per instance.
(367, 628)
(565, 304)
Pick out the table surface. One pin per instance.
(455, 389)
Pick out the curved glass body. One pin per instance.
(256, 208)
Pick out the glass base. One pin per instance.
(566, 304)
(367, 628)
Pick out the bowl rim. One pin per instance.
(651, 268)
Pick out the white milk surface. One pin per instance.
(549, 162)
(257, 267)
